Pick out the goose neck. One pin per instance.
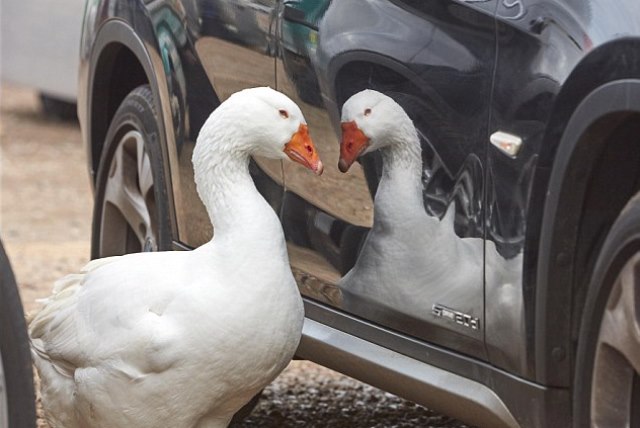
(227, 191)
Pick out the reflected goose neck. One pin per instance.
(399, 194)
(403, 154)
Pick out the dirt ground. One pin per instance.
(45, 222)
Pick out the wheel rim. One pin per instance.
(615, 391)
(4, 405)
(128, 222)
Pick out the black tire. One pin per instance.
(602, 357)
(15, 353)
(131, 158)
(59, 109)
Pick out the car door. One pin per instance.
(436, 59)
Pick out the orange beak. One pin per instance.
(353, 143)
(301, 149)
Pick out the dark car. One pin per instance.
(528, 113)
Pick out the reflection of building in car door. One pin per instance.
(235, 48)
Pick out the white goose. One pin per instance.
(184, 339)
(410, 259)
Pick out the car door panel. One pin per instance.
(436, 60)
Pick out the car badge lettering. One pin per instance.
(457, 317)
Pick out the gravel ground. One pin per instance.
(45, 220)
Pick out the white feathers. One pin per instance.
(180, 339)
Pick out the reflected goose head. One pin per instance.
(264, 122)
(371, 121)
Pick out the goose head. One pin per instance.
(371, 121)
(263, 122)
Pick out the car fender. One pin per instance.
(561, 215)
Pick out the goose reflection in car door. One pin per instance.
(416, 52)
(412, 262)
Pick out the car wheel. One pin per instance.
(17, 399)
(131, 211)
(607, 379)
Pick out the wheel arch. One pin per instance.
(594, 151)
(120, 62)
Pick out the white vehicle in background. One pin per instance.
(40, 42)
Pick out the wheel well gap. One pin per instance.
(118, 72)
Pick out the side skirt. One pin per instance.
(456, 385)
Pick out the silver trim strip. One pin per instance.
(422, 383)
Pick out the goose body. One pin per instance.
(184, 339)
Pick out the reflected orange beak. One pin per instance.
(353, 143)
(301, 149)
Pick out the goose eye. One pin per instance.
(367, 112)
(284, 114)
